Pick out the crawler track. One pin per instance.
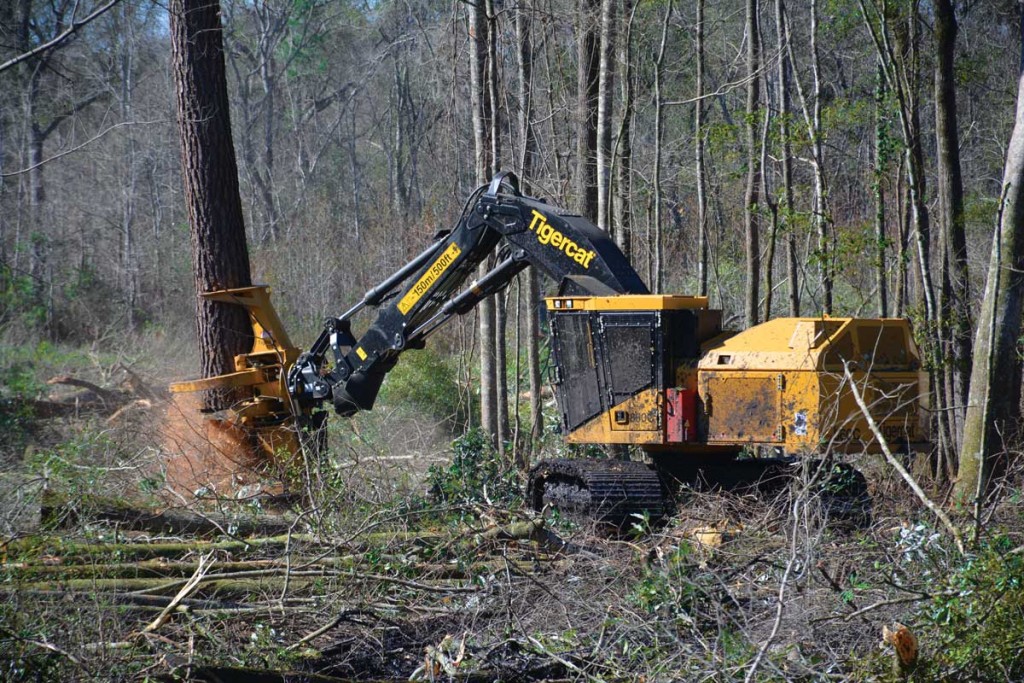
(605, 490)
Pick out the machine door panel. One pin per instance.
(576, 381)
(629, 359)
(742, 408)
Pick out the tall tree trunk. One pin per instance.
(220, 257)
(528, 139)
(785, 107)
(990, 418)
(623, 157)
(751, 220)
(877, 181)
(499, 302)
(587, 86)
(700, 162)
(129, 264)
(606, 83)
(480, 102)
(656, 269)
(821, 216)
(955, 292)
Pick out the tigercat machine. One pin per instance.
(652, 371)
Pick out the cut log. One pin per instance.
(58, 511)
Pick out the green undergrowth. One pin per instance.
(476, 475)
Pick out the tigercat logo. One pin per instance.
(548, 235)
(429, 278)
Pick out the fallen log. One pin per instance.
(61, 512)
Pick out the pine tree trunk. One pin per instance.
(220, 257)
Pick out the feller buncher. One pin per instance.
(651, 371)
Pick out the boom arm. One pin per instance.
(423, 295)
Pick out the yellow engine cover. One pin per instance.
(782, 384)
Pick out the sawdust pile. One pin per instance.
(204, 456)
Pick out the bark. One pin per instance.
(990, 419)
(220, 256)
(751, 200)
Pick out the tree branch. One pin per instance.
(64, 35)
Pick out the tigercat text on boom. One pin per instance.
(548, 235)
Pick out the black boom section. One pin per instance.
(425, 293)
(566, 247)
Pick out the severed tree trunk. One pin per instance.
(220, 258)
(990, 416)
(751, 221)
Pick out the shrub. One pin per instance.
(476, 474)
(978, 619)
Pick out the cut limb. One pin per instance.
(898, 466)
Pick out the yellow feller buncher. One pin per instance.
(652, 371)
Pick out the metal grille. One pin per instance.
(578, 391)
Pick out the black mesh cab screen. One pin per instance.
(576, 385)
(603, 359)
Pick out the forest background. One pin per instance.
(782, 158)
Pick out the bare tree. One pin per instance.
(990, 417)
(587, 88)
(481, 114)
(606, 83)
(701, 166)
(785, 74)
(527, 164)
(751, 219)
(954, 292)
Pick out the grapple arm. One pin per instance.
(420, 297)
